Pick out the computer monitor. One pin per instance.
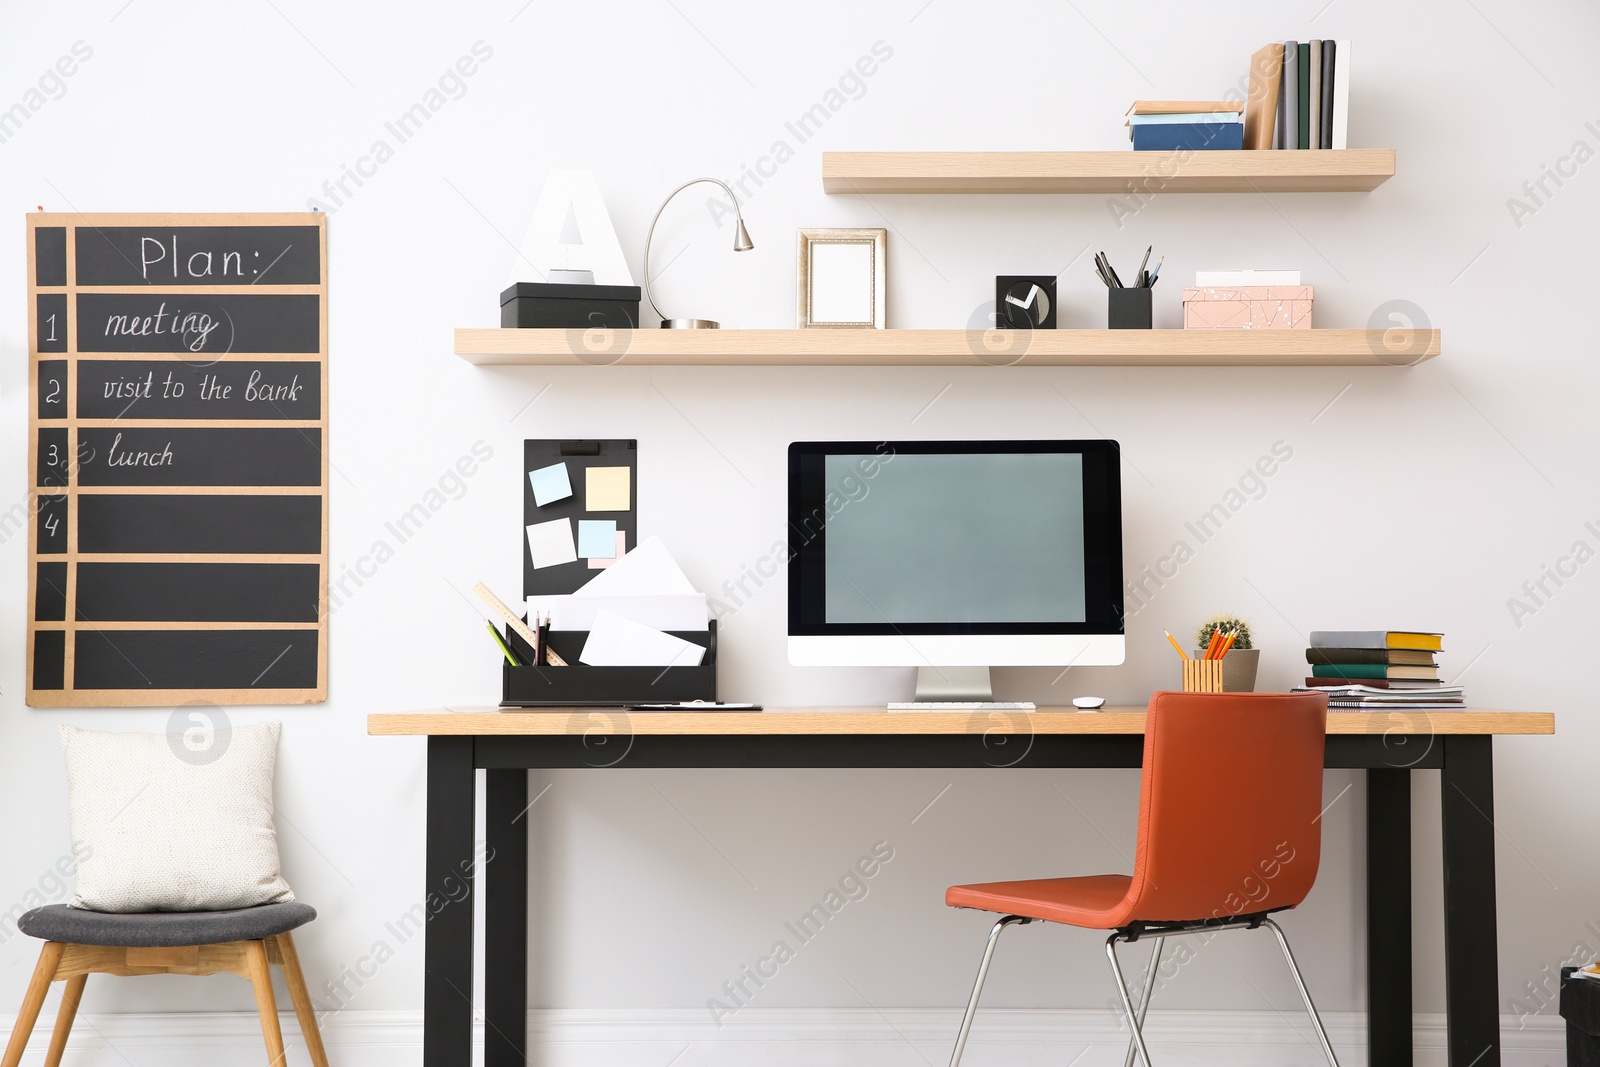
(955, 556)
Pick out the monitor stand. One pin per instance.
(956, 689)
(954, 684)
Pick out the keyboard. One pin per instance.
(964, 705)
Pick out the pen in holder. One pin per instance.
(1128, 308)
(1202, 675)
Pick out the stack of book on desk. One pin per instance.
(1369, 669)
(1191, 125)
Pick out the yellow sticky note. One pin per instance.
(607, 489)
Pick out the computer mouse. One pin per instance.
(1088, 703)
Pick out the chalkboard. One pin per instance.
(178, 424)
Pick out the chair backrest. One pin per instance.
(1229, 805)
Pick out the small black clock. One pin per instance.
(1025, 302)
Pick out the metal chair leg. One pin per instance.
(1127, 1002)
(1144, 1000)
(1305, 994)
(977, 987)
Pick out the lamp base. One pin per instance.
(690, 324)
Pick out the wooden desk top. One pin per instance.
(484, 721)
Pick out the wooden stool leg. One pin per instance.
(302, 1000)
(43, 974)
(255, 955)
(69, 1011)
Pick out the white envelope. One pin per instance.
(649, 570)
(572, 612)
(618, 642)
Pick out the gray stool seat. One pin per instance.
(163, 929)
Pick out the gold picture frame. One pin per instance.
(843, 279)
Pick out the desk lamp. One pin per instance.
(741, 243)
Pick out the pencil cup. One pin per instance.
(1128, 309)
(1202, 676)
(1238, 670)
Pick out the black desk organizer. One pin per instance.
(580, 685)
(1580, 1007)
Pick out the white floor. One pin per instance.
(787, 1038)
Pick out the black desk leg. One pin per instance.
(447, 980)
(1472, 971)
(1389, 917)
(505, 901)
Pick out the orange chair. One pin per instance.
(1229, 832)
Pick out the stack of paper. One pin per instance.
(1356, 697)
(626, 607)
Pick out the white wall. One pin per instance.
(1423, 496)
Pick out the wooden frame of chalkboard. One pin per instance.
(177, 448)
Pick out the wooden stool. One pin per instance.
(79, 943)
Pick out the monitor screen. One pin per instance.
(928, 537)
(957, 538)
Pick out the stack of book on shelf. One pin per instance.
(1299, 95)
(1379, 669)
(1192, 125)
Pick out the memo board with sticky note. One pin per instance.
(579, 501)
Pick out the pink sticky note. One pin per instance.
(622, 549)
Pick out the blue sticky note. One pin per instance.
(550, 484)
(597, 538)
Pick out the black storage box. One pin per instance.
(1580, 1006)
(547, 305)
(579, 684)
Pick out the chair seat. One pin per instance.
(1097, 902)
(163, 929)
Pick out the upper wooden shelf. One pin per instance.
(949, 348)
(1350, 170)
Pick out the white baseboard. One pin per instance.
(799, 1037)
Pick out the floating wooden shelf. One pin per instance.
(949, 348)
(1344, 171)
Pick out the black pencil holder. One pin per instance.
(579, 684)
(1128, 309)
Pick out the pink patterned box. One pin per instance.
(1247, 307)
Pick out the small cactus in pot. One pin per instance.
(1227, 624)
(1239, 665)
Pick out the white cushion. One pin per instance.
(159, 827)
